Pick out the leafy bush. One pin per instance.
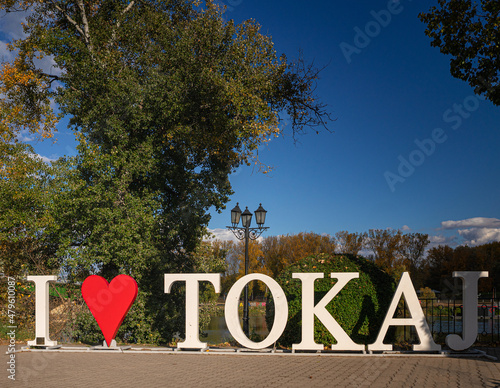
(427, 293)
(360, 307)
(137, 327)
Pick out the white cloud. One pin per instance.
(441, 240)
(479, 236)
(5, 54)
(222, 234)
(48, 65)
(10, 24)
(438, 239)
(24, 136)
(476, 222)
(476, 230)
(405, 228)
(45, 159)
(225, 235)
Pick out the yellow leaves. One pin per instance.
(11, 77)
(25, 102)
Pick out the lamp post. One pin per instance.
(245, 232)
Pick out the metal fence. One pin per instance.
(444, 316)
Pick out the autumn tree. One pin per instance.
(25, 100)
(256, 264)
(385, 245)
(442, 261)
(281, 251)
(349, 243)
(167, 99)
(412, 251)
(469, 32)
(397, 252)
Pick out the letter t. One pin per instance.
(192, 302)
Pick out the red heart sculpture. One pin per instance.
(109, 303)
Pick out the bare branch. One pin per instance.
(85, 23)
(69, 19)
(127, 8)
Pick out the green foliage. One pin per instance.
(469, 32)
(86, 330)
(427, 293)
(25, 192)
(139, 326)
(360, 307)
(23, 310)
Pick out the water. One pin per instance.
(218, 333)
(486, 326)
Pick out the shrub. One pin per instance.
(427, 293)
(360, 307)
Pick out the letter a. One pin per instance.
(405, 288)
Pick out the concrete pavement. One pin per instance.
(98, 369)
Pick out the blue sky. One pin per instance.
(412, 147)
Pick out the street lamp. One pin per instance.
(245, 232)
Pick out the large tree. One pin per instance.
(469, 32)
(167, 99)
(25, 191)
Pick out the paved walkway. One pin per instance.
(95, 369)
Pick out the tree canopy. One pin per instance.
(469, 32)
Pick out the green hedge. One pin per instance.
(360, 307)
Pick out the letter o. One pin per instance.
(280, 311)
(475, 103)
(372, 32)
(413, 158)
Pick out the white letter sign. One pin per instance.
(42, 310)
(280, 311)
(469, 314)
(309, 311)
(405, 287)
(192, 302)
